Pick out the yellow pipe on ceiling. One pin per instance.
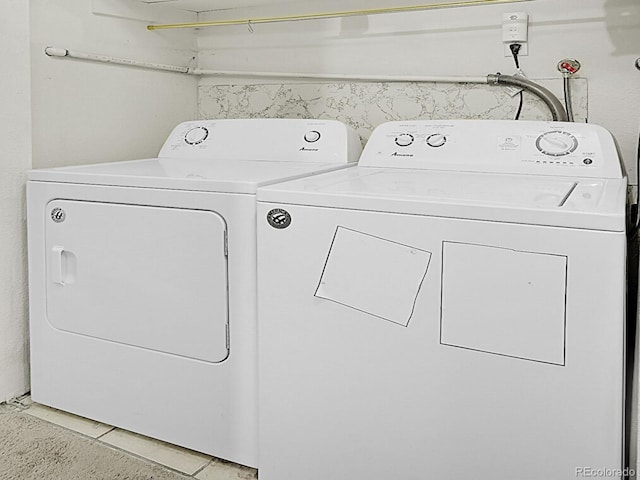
(316, 16)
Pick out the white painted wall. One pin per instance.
(15, 160)
(73, 113)
(87, 112)
(603, 34)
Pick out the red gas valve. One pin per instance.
(569, 66)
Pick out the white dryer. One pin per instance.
(453, 307)
(142, 279)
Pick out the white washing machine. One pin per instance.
(142, 279)
(453, 307)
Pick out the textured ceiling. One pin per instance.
(207, 5)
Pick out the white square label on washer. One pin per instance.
(504, 301)
(373, 275)
(509, 143)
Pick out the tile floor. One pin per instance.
(197, 465)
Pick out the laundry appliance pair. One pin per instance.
(451, 307)
(143, 279)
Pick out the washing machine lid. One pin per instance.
(527, 199)
(195, 174)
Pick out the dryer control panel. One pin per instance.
(495, 146)
(281, 140)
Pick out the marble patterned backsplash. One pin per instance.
(365, 105)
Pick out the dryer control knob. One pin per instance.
(312, 136)
(436, 140)
(404, 139)
(196, 135)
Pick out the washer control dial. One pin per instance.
(404, 140)
(196, 135)
(312, 136)
(436, 140)
(556, 143)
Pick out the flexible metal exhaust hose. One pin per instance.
(558, 112)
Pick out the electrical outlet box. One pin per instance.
(515, 29)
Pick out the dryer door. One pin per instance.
(150, 277)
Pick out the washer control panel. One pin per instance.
(281, 140)
(557, 143)
(496, 146)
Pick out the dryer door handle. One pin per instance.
(57, 265)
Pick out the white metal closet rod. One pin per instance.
(63, 52)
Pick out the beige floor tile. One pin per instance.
(218, 470)
(172, 456)
(72, 422)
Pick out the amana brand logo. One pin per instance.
(58, 215)
(396, 154)
(304, 149)
(279, 218)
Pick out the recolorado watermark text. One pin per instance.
(594, 472)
